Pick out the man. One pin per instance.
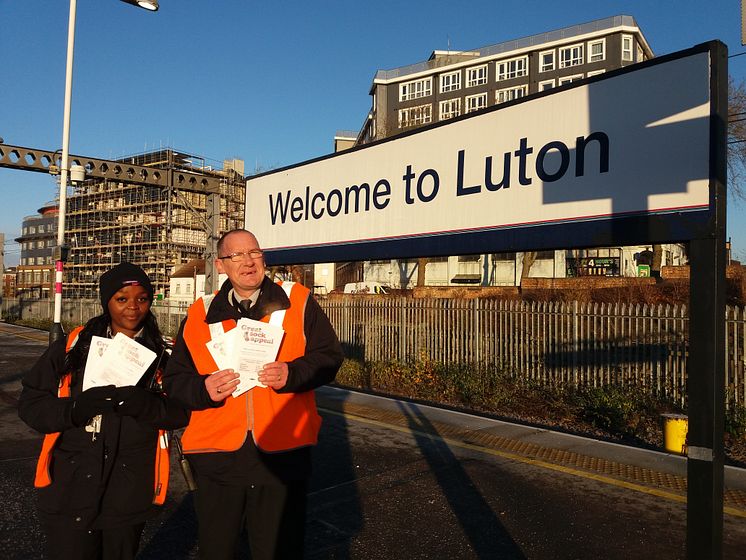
(251, 454)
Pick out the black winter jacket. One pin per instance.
(101, 482)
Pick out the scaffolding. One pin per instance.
(111, 221)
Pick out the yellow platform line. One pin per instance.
(35, 338)
(536, 462)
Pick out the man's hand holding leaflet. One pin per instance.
(255, 343)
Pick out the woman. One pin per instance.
(104, 461)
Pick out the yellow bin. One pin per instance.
(675, 428)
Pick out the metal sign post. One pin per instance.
(706, 370)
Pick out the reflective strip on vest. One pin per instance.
(278, 317)
(43, 477)
(277, 421)
(162, 465)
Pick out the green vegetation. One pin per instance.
(735, 421)
(626, 413)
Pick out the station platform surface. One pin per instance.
(613, 463)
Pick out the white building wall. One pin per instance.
(181, 290)
(500, 272)
(323, 275)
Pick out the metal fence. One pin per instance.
(549, 343)
(78, 311)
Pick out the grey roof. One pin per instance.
(508, 46)
(189, 269)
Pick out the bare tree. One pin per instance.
(421, 266)
(736, 138)
(528, 260)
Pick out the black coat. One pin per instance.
(101, 482)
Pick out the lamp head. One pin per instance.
(77, 173)
(151, 5)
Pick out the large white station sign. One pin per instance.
(631, 144)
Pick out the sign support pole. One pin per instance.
(706, 375)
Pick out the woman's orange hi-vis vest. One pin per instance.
(43, 476)
(277, 421)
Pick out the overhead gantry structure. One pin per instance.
(82, 167)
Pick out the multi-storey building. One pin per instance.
(453, 83)
(157, 228)
(35, 272)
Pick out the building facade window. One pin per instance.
(595, 73)
(412, 116)
(415, 89)
(640, 56)
(626, 48)
(546, 84)
(546, 61)
(503, 256)
(476, 102)
(508, 94)
(450, 82)
(513, 68)
(476, 76)
(597, 50)
(570, 79)
(449, 109)
(570, 56)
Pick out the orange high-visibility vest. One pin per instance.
(43, 476)
(277, 421)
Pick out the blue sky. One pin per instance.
(266, 82)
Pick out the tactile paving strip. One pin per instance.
(735, 499)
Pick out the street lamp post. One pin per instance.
(56, 332)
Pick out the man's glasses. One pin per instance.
(238, 257)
